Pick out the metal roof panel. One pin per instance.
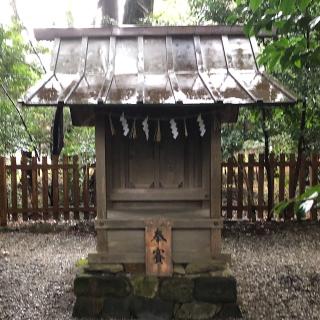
(159, 66)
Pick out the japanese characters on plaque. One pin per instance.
(158, 248)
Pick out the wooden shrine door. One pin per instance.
(168, 164)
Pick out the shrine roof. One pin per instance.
(212, 65)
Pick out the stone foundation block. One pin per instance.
(177, 289)
(105, 268)
(99, 286)
(88, 307)
(144, 286)
(197, 311)
(151, 309)
(230, 310)
(205, 266)
(116, 308)
(101, 295)
(216, 289)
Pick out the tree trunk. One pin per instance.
(109, 8)
(267, 163)
(136, 10)
(300, 148)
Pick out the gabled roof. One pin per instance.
(155, 66)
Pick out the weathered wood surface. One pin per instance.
(31, 195)
(215, 183)
(158, 246)
(3, 193)
(128, 246)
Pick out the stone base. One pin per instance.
(201, 291)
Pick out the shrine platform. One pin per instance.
(202, 290)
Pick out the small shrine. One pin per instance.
(157, 97)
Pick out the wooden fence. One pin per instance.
(245, 188)
(32, 189)
(53, 189)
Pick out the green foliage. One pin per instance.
(214, 11)
(82, 262)
(80, 141)
(296, 22)
(301, 204)
(16, 75)
(179, 14)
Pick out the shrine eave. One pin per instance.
(184, 67)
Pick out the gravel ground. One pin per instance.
(278, 272)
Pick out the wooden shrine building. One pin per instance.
(157, 97)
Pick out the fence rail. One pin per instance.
(64, 189)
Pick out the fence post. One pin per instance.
(251, 210)
(76, 189)
(261, 176)
(229, 188)
(314, 181)
(3, 193)
(66, 213)
(55, 186)
(240, 187)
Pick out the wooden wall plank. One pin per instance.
(55, 186)
(282, 174)
(292, 167)
(261, 186)
(229, 187)
(101, 179)
(251, 210)
(24, 186)
(240, 187)
(66, 211)
(14, 188)
(302, 174)
(34, 188)
(272, 166)
(75, 187)
(45, 189)
(3, 193)
(215, 182)
(85, 193)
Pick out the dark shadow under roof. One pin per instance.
(154, 66)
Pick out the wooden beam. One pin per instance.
(215, 183)
(139, 257)
(101, 179)
(50, 34)
(131, 224)
(148, 195)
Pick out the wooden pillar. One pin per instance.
(3, 193)
(101, 180)
(215, 184)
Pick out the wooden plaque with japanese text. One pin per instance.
(158, 238)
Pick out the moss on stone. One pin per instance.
(105, 267)
(205, 266)
(197, 311)
(144, 286)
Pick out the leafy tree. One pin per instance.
(295, 53)
(214, 11)
(16, 75)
